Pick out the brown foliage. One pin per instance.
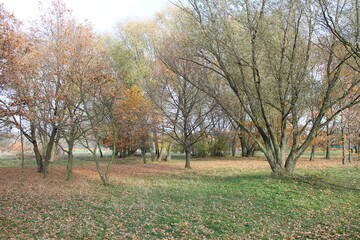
(134, 117)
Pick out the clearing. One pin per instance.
(217, 199)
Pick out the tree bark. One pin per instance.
(343, 146)
(327, 149)
(187, 159)
(233, 146)
(251, 151)
(247, 150)
(312, 154)
(100, 151)
(243, 145)
(103, 177)
(143, 155)
(69, 166)
(290, 164)
(38, 157)
(49, 149)
(168, 155)
(350, 150)
(327, 152)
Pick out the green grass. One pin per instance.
(219, 204)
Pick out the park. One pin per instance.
(212, 119)
(223, 198)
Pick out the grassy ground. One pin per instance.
(217, 199)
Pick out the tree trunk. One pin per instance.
(49, 149)
(100, 151)
(123, 153)
(243, 145)
(105, 180)
(155, 156)
(327, 149)
(343, 146)
(38, 157)
(276, 169)
(290, 166)
(233, 146)
(103, 177)
(350, 150)
(54, 153)
(327, 152)
(312, 155)
(247, 150)
(70, 160)
(143, 155)
(160, 156)
(168, 155)
(187, 159)
(22, 155)
(357, 147)
(250, 152)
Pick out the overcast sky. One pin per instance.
(104, 14)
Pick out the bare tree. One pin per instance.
(265, 52)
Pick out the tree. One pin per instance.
(132, 52)
(48, 77)
(132, 115)
(341, 18)
(186, 107)
(87, 66)
(12, 45)
(96, 96)
(265, 53)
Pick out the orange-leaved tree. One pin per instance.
(133, 115)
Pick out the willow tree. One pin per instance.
(270, 53)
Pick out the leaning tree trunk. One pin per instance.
(49, 149)
(103, 176)
(38, 157)
(106, 176)
(100, 151)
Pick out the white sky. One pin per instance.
(103, 14)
